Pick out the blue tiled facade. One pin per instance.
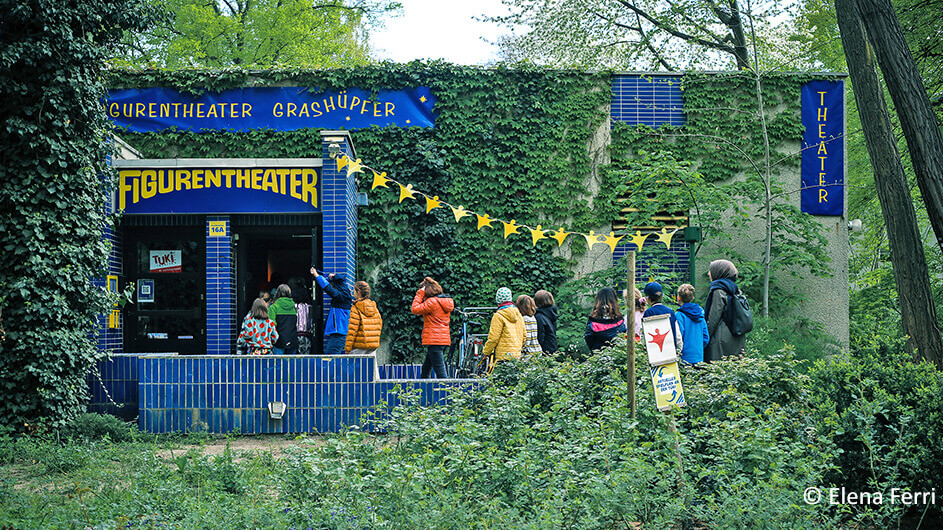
(652, 100)
(222, 394)
(338, 212)
(220, 287)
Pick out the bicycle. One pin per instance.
(466, 357)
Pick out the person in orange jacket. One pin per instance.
(435, 307)
(363, 334)
(506, 335)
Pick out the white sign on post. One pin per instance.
(659, 340)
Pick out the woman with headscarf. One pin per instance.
(723, 343)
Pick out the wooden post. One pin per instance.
(630, 330)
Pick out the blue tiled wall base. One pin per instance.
(113, 387)
(222, 394)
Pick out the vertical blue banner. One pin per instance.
(823, 148)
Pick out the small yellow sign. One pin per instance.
(114, 319)
(217, 228)
(667, 382)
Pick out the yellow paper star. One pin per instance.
(483, 220)
(432, 203)
(459, 212)
(560, 235)
(638, 239)
(379, 179)
(406, 191)
(536, 234)
(422, 99)
(665, 237)
(354, 167)
(591, 239)
(342, 162)
(510, 228)
(612, 241)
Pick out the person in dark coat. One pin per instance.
(546, 321)
(338, 318)
(282, 312)
(605, 322)
(723, 343)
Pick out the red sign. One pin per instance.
(166, 261)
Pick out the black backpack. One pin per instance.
(741, 317)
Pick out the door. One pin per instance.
(168, 268)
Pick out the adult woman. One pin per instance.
(363, 334)
(605, 321)
(435, 307)
(506, 335)
(723, 343)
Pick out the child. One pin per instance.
(528, 308)
(693, 326)
(605, 322)
(506, 335)
(258, 333)
(363, 333)
(640, 305)
(654, 294)
(546, 316)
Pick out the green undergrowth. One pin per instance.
(549, 443)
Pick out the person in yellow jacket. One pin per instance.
(363, 332)
(506, 336)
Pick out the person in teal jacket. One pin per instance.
(338, 318)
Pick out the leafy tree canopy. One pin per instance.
(226, 33)
(641, 34)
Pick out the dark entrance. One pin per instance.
(267, 256)
(170, 261)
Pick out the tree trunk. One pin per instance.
(911, 102)
(918, 312)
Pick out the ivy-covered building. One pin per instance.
(528, 147)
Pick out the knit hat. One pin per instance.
(503, 295)
(653, 289)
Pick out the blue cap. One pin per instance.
(652, 289)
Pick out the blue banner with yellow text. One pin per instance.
(278, 108)
(823, 148)
(209, 190)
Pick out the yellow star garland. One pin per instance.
(560, 235)
(406, 191)
(483, 220)
(536, 234)
(665, 237)
(459, 212)
(432, 203)
(591, 239)
(612, 241)
(354, 167)
(379, 179)
(342, 162)
(510, 228)
(638, 239)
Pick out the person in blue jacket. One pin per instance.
(338, 318)
(693, 326)
(654, 294)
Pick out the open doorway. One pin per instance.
(269, 256)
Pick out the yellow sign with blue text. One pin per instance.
(217, 228)
(667, 382)
(213, 188)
